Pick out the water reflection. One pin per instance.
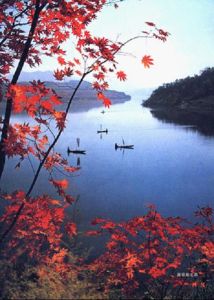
(169, 166)
(123, 148)
(102, 131)
(76, 151)
(195, 121)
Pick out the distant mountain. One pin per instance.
(191, 93)
(85, 97)
(36, 75)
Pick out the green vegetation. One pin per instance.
(27, 282)
(191, 93)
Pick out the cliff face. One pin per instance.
(85, 98)
(191, 93)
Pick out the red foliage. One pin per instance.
(38, 230)
(147, 61)
(150, 24)
(152, 247)
(121, 75)
(29, 31)
(71, 229)
(35, 99)
(106, 101)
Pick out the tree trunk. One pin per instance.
(14, 80)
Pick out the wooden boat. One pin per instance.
(76, 151)
(102, 130)
(123, 146)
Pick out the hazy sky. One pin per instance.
(189, 49)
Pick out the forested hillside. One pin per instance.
(191, 93)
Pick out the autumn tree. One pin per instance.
(156, 256)
(35, 226)
(50, 24)
(30, 29)
(147, 248)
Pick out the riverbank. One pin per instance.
(188, 102)
(192, 94)
(203, 105)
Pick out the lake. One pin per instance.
(171, 166)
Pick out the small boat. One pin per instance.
(76, 151)
(102, 130)
(123, 146)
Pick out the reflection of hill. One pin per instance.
(201, 122)
(188, 101)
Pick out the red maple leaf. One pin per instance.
(147, 61)
(106, 102)
(61, 60)
(100, 76)
(98, 221)
(100, 96)
(77, 61)
(58, 74)
(150, 23)
(62, 184)
(71, 229)
(121, 75)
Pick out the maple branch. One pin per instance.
(31, 164)
(18, 213)
(7, 231)
(15, 25)
(63, 173)
(56, 138)
(90, 69)
(14, 80)
(55, 141)
(110, 2)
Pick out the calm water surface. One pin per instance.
(171, 166)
